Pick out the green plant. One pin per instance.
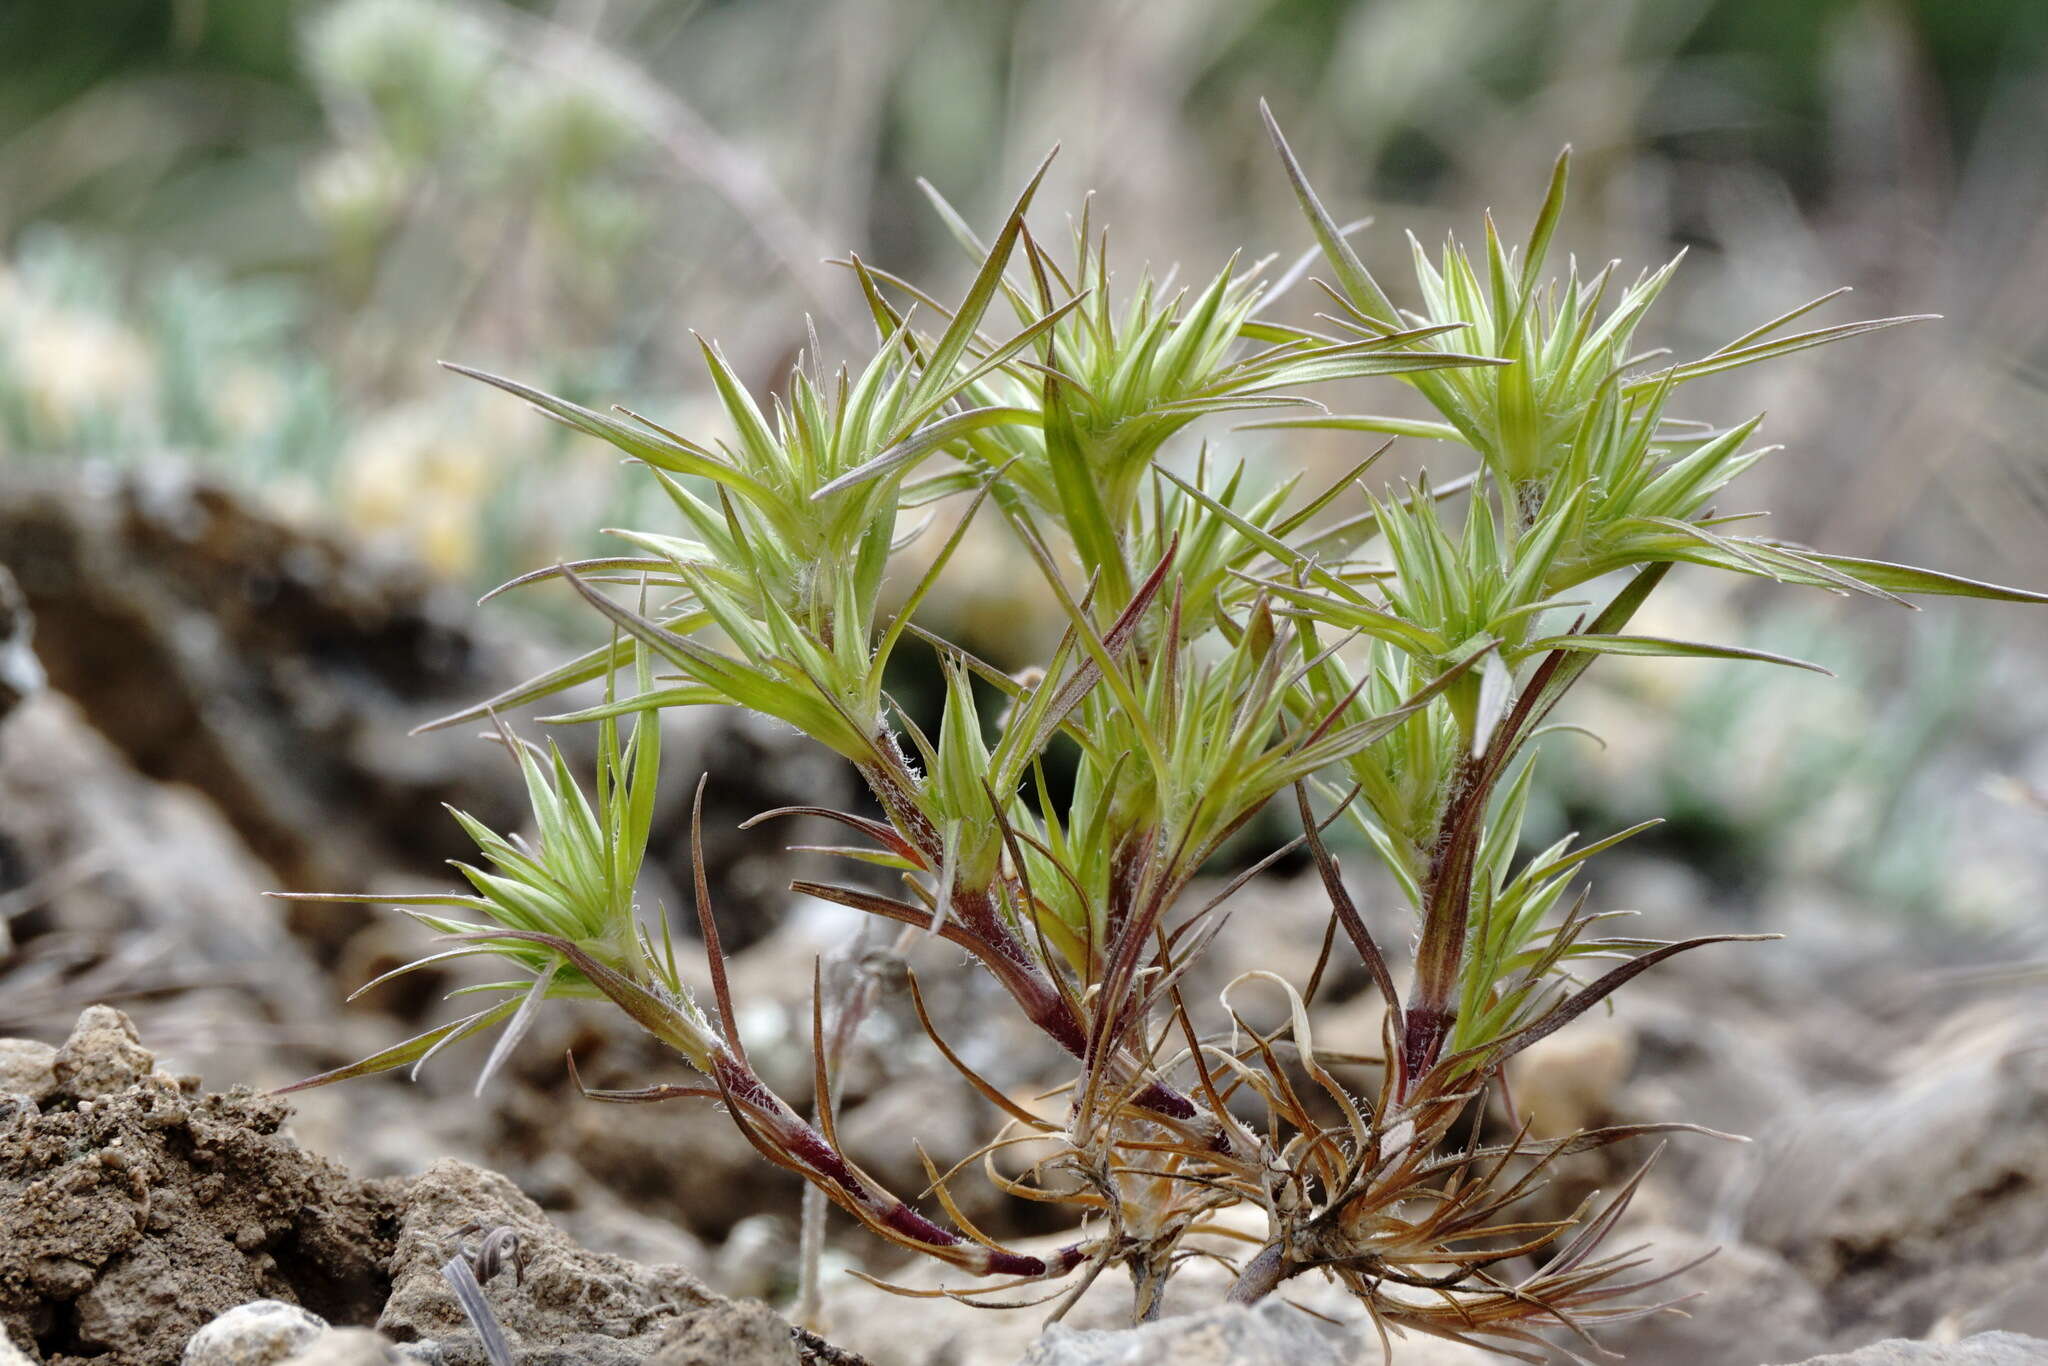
(1229, 640)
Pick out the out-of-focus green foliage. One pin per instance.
(1766, 778)
(102, 361)
(437, 176)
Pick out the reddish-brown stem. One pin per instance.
(793, 1139)
(1447, 887)
(998, 947)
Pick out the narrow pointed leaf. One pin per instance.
(411, 1050)
(1658, 646)
(1899, 578)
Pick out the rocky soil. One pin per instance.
(143, 1221)
(225, 714)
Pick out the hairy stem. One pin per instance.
(856, 999)
(1148, 1290)
(810, 1255)
(769, 1120)
(1440, 952)
(1261, 1276)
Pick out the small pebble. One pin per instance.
(260, 1333)
(25, 1068)
(103, 1056)
(349, 1347)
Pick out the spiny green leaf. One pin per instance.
(1770, 350)
(413, 1050)
(1658, 646)
(938, 377)
(659, 451)
(1356, 280)
(1899, 578)
(922, 443)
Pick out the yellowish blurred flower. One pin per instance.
(247, 400)
(67, 364)
(416, 479)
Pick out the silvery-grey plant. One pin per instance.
(1231, 639)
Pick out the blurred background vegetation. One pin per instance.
(236, 234)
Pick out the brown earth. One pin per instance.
(134, 1209)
